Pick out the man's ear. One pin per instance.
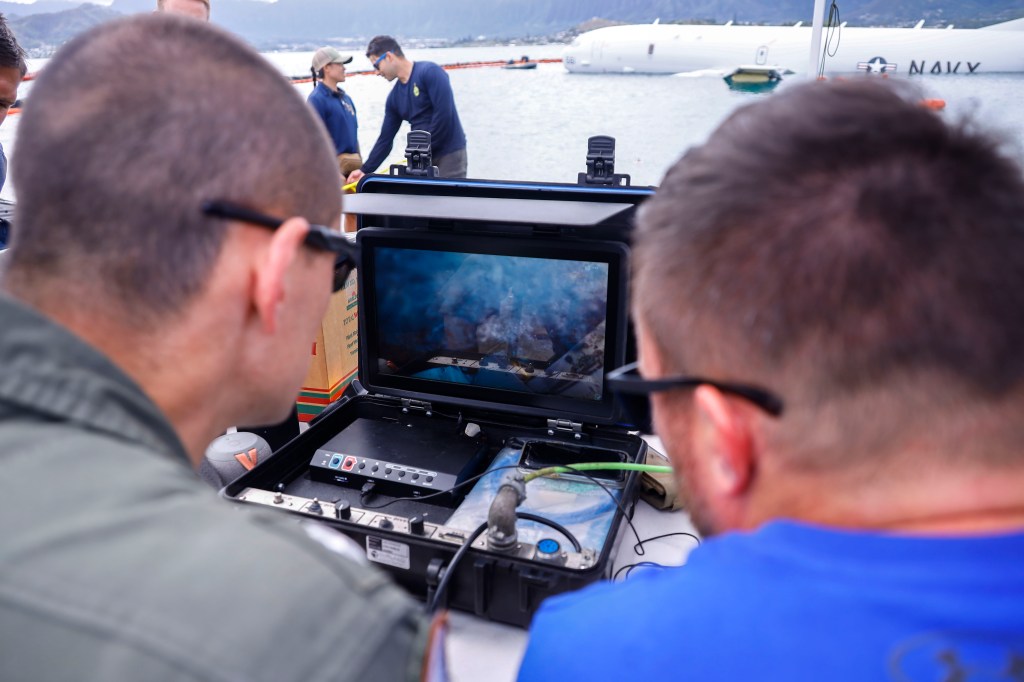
(272, 270)
(727, 439)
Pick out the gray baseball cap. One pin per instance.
(328, 55)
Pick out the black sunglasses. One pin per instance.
(633, 393)
(319, 237)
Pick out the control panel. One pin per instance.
(547, 551)
(391, 478)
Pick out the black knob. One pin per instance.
(342, 510)
(314, 507)
(386, 524)
(416, 525)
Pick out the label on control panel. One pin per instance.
(387, 552)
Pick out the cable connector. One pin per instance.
(367, 489)
(501, 517)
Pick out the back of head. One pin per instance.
(845, 247)
(380, 44)
(129, 129)
(12, 56)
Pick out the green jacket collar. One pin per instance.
(47, 370)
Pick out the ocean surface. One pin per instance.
(534, 125)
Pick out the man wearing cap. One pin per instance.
(335, 108)
(140, 319)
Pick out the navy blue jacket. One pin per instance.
(339, 116)
(427, 103)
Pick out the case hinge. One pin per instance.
(601, 163)
(418, 157)
(564, 427)
(409, 405)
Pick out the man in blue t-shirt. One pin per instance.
(335, 107)
(423, 97)
(829, 302)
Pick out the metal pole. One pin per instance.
(819, 22)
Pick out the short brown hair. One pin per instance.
(381, 44)
(110, 189)
(837, 237)
(12, 56)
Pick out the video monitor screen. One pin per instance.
(517, 321)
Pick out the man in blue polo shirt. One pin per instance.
(829, 304)
(12, 71)
(423, 97)
(335, 107)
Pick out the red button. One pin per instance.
(350, 462)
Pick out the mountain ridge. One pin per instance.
(44, 25)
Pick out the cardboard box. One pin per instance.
(335, 359)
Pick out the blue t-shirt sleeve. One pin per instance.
(385, 141)
(442, 99)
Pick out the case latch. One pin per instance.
(564, 427)
(409, 405)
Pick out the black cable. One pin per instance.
(450, 571)
(833, 27)
(614, 499)
(639, 546)
(551, 524)
(366, 491)
(628, 568)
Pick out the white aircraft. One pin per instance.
(676, 48)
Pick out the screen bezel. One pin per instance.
(614, 254)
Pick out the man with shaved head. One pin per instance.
(137, 327)
(829, 297)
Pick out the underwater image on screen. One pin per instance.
(533, 325)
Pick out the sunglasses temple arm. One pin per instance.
(220, 209)
(325, 239)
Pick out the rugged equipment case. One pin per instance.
(401, 424)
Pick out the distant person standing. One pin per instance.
(335, 107)
(12, 71)
(197, 9)
(423, 97)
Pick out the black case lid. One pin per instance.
(556, 255)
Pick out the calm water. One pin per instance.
(534, 125)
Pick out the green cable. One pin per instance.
(598, 466)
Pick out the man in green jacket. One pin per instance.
(135, 329)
